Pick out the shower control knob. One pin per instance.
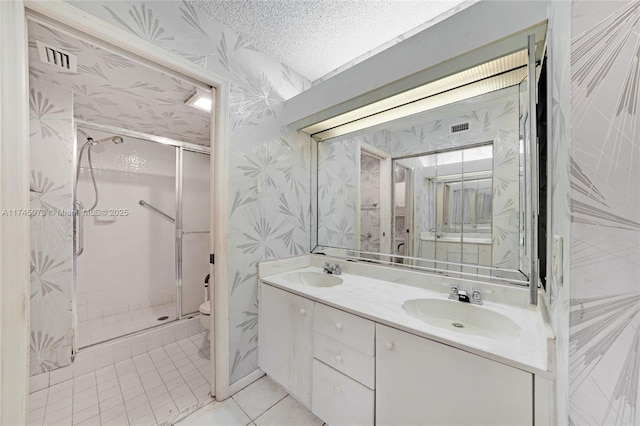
(389, 346)
(339, 358)
(338, 326)
(303, 311)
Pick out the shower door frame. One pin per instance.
(65, 14)
(180, 147)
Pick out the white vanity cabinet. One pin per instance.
(285, 340)
(422, 382)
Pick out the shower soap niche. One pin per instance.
(104, 220)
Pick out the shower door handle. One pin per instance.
(79, 211)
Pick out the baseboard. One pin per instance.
(245, 381)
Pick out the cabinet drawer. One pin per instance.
(353, 363)
(339, 400)
(346, 328)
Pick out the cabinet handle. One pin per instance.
(339, 358)
(303, 311)
(389, 345)
(338, 326)
(336, 389)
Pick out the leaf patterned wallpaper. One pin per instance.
(268, 164)
(604, 311)
(492, 117)
(51, 235)
(112, 89)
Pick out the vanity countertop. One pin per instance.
(382, 301)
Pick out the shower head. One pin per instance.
(115, 139)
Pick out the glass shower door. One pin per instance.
(194, 235)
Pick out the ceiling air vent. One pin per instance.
(60, 59)
(459, 127)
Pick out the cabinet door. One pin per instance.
(421, 382)
(285, 340)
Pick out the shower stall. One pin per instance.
(141, 231)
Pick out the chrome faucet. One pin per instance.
(463, 296)
(332, 269)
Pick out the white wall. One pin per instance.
(129, 263)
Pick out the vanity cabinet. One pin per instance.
(422, 382)
(285, 341)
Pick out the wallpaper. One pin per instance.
(604, 343)
(112, 89)
(491, 118)
(268, 164)
(51, 233)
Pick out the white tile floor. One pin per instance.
(263, 403)
(156, 387)
(99, 330)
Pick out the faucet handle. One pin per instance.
(454, 290)
(476, 295)
(336, 269)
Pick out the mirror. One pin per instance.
(451, 198)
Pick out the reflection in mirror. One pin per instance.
(455, 190)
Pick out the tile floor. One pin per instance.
(99, 330)
(262, 403)
(156, 387)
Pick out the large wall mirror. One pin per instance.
(442, 190)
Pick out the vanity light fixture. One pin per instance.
(494, 75)
(200, 99)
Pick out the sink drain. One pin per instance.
(457, 325)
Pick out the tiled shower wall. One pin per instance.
(51, 151)
(268, 164)
(604, 343)
(133, 253)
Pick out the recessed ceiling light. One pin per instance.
(201, 99)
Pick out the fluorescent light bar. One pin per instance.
(494, 75)
(201, 99)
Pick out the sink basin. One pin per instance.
(313, 279)
(462, 318)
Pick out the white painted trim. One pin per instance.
(14, 230)
(385, 195)
(220, 175)
(66, 14)
(246, 381)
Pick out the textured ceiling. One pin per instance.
(118, 91)
(315, 37)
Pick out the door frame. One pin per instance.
(385, 196)
(14, 181)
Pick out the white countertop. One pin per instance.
(381, 301)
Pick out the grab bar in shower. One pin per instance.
(143, 203)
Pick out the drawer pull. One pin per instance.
(389, 345)
(336, 389)
(338, 326)
(339, 358)
(303, 311)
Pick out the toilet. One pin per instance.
(205, 308)
(205, 313)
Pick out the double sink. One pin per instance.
(451, 315)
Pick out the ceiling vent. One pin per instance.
(460, 127)
(64, 61)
